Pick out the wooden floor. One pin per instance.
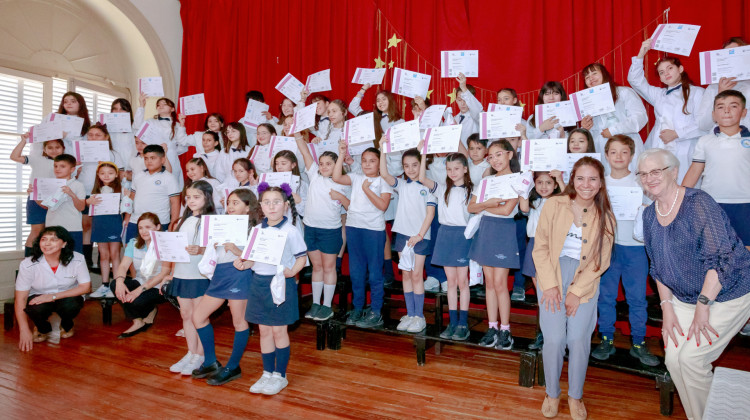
(94, 375)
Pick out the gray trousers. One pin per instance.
(561, 331)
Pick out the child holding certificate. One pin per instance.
(123, 142)
(197, 170)
(477, 158)
(322, 121)
(72, 103)
(259, 154)
(211, 144)
(231, 285)
(469, 109)
(188, 284)
(495, 248)
(273, 319)
(214, 123)
(286, 161)
(67, 213)
(365, 232)
(551, 92)
(286, 112)
(628, 261)
(451, 246)
(106, 229)
(243, 176)
(337, 116)
(170, 130)
(704, 115)
(235, 147)
(386, 116)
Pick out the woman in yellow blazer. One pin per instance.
(571, 251)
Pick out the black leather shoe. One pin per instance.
(206, 371)
(134, 332)
(225, 375)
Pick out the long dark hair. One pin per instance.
(288, 155)
(208, 203)
(268, 126)
(173, 115)
(606, 77)
(393, 113)
(124, 105)
(551, 85)
(344, 111)
(288, 198)
(216, 115)
(316, 98)
(83, 111)
(66, 253)
(98, 184)
(513, 163)
(606, 218)
(589, 139)
(467, 177)
(533, 195)
(215, 137)
(250, 200)
(684, 80)
(103, 128)
(140, 242)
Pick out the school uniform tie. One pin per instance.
(461, 118)
(670, 90)
(235, 150)
(164, 119)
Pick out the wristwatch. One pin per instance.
(704, 300)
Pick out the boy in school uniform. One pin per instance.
(68, 212)
(155, 190)
(469, 109)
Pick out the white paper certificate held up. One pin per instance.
(46, 131)
(275, 179)
(359, 130)
(110, 204)
(117, 122)
(290, 87)
(410, 83)
(441, 139)
(593, 101)
(92, 151)
(358, 149)
(279, 143)
(625, 201)
(564, 111)
(733, 62)
(454, 62)
(70, 123)
(254, 113)
(544, 154)
(497, 187)
(371, 76)
(265, 246)
(575, 157)
(317, 149)
(431, 117)
(319, 82)
(403, 136)
(220, 229)
(43, 188)
(149, 134)
(303, 118)
(151, 86)
(500, 123)
(674, 38)
(193, 104)
(170, 246)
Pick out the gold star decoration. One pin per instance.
(429, 92)
(521, 104)
(390, 65)
(452, 95)
(379, 63)
(393, 41)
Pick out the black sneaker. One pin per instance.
(448, 333)
(505, 340)
(313, 311)
(640, 352)
(604, 350)
(354, 316)
(489, 339)
(206, 371)
(324, 313)
(538, 343)
(371, 320)
(225, 375)
(461, 333)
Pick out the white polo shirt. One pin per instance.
(320, 210)
(455, 212)
(41, 166)
(293, 248)
(414, 198)
(38, 278)
(66, 214)
(727, 171)
(476, 172)
(362, 213)
(152, 194)
(190, 270)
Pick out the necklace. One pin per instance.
(677, 194)
(583, 210)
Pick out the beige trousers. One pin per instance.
(690, 365)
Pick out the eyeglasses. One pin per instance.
(655, 173)
(269, 203)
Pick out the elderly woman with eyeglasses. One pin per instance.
(702, 270)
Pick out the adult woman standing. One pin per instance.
(702, 270)
(572, 249)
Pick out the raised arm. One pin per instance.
(427, 182)
(304, 150)
(17, 154)
(339, 176)
(384, 165)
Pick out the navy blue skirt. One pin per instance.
(106, 228)
(35, 214)
(188, 288)
(229, 282)
(451, 247)
(327, 241)
(495, 243)
(421, 248)
(260, 307)
(529, 269)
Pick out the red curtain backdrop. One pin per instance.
(232, 46)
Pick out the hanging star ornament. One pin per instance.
(393, 41)
(390, 65)
(429, 92)
(379, 63)
(452, 95)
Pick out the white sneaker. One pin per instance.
(275, 384)
(444, 286)
(418, 323)
(258, 386)
(100, 292)
(195, 362)
(406, 320)
(177, 367)
(431, 284)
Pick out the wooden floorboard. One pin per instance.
(373, 376)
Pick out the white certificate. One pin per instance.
(431, 117)
(410, 83)
(674, 38)
(544, 154)
(151, 86)
(564, 111)
(317, 149)
(358, 149)
(275, 179)
(43, 188)
(51, 130)
(403, 136)
(110, 204)
(224, 228)
(193, 104)
(149, 134)
(454, 62)
(500, 123)
(360, 130)
(371, 76)
(291, 88)
(319, 82)
(92, 151)
(575, 157)
(734, 62)
(441, 139)
(254, 113)
(170, 246)
(625, 201)
(279, 143)
(303, 118)
(593, 101)
(497, 187)
(70, 123)
(265, 246)
(117, 122)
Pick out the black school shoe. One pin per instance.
(354, 316)
(206, 371)
(370, 320)
(505, 340)
(225, 375)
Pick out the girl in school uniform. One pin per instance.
(214, 123)
(211, 145)
(196, 169)
(243, 176)
(286, 112)
(495, 248)
(675, 107)
(332, 129)
(628, 118)
(451, 247)
(231, 285)
(170, 129)
(188, 284)
(365, 232)
(273, 319)
(42, 166)
(551, 92)
(124, 143)
(322, 121)
(286, 161)
(259, 154)
(72, 103)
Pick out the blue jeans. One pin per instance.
(630, 263)
(435, 271)
(366, 264)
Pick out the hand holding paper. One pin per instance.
(193, 104)
(151, 86)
